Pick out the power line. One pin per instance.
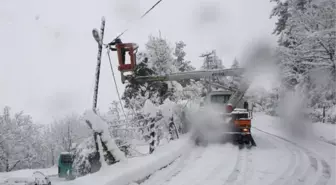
(139, 18)
(115, 83)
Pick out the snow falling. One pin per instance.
(162, 131)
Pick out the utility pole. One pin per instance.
(206, 55)
(214, 58)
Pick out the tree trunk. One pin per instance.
(52, 157)
(7, 165)
(323, 114)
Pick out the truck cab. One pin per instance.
(221, 98)
(65, 161)
(235, 122)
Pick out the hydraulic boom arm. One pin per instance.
(187, 75)
(234, 99)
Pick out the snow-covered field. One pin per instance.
(279, 158)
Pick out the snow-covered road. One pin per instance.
(279, 158)
(276, 160)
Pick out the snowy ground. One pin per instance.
(326, 132)
(279, 158)
(135, 169)
(27, 173)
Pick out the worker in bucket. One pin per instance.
(123, 50)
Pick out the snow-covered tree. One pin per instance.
(264, 101)
(160, 55)
(20, 145)
(306, 50)
(213, 62)
(115, 110)
(84, 154)
(68, 131)
(180, 63)
(233, 82)
(135, 94)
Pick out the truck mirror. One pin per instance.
(246, 105)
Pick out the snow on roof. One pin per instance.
(238, 110)
(65, 153)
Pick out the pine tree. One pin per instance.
(135, 94)
(160, 56)
(235, 63)
(232, 80)
(180, 63)
(280, 10)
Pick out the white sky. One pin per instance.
(48, 55)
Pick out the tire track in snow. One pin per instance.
(243, 169)
(218, 174)
(296, 177)
(313, 167)
(326, 174)
(300, 171)
(205, 170)
(180, 168)
(213, 175)
(164, 176)
(314, 160)
(291, 166)
(211, 168)
(237, 168)
(248, 169)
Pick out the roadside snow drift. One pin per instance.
(135, 169)
(100, 126)
(27, 173)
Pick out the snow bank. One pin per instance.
(27, 173)
(324, 151)
(135, 169)
(331, 114)
(326, 132)
(323, 131)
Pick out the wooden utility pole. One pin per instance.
(206, 55)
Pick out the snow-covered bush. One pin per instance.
(100, 126)
(84, 155)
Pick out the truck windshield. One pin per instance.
(66, 159)
(220, 98)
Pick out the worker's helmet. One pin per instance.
(118, 40)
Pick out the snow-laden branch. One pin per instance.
(100, 126)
